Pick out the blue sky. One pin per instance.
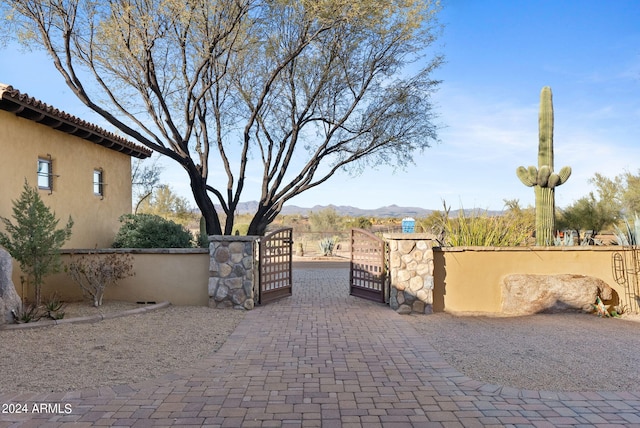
(499, 55)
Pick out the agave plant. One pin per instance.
(565, 241)
(54, 308)
(28, 313)
(327, 245)
(629, 235)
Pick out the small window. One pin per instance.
(98, 182)
(45, 174)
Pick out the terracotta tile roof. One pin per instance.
(23, 105)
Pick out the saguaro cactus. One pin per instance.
(543, 179)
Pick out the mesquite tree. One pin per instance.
(289, 91)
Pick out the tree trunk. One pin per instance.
(260, 221)
(203, 201)
(231, 218)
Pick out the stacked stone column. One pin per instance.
(411, 272)
(232, 274)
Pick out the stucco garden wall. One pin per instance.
(74, 160)
(465, 279)
(179, 276)
(468, 279)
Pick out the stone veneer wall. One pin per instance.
(232, 272)
(411, 272)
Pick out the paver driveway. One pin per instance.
(323, 358)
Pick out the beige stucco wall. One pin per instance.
(179, 276)
(96, 220)
(468, 279)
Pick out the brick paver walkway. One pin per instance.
(322, 358)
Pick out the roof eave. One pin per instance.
(27, 107)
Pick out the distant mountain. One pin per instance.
(345, 210)
(388, 211)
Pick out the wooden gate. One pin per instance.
(274, 265)
(368, 273)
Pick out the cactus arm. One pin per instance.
(565, 173)
(543, 175)
(526, 177)
(559, 178)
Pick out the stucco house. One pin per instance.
(82, 170)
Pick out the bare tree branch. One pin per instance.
(308, 87)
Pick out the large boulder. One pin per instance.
(526, 294)
(9, 299)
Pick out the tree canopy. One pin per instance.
(298, 89)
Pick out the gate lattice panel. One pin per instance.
(275, 258)
(367, 274)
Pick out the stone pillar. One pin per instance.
(232, 273)
(411, 272)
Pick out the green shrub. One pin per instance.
(326, 220)
(359, 223)
(151, 231)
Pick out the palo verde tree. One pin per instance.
(33, 239)
(290, 91)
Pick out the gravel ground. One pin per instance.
(116, 351)
(560, 352)
(568, 352)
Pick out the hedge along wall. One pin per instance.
(468, 279)
(179, 276)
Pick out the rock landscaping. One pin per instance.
(9, 299)
(526, 294)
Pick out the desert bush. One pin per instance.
(480, 229)
(34, 240)
(94, 273)
(359, 223)
(151, 231)
(326, 220)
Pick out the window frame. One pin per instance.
(98, 185)
(48, 175)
